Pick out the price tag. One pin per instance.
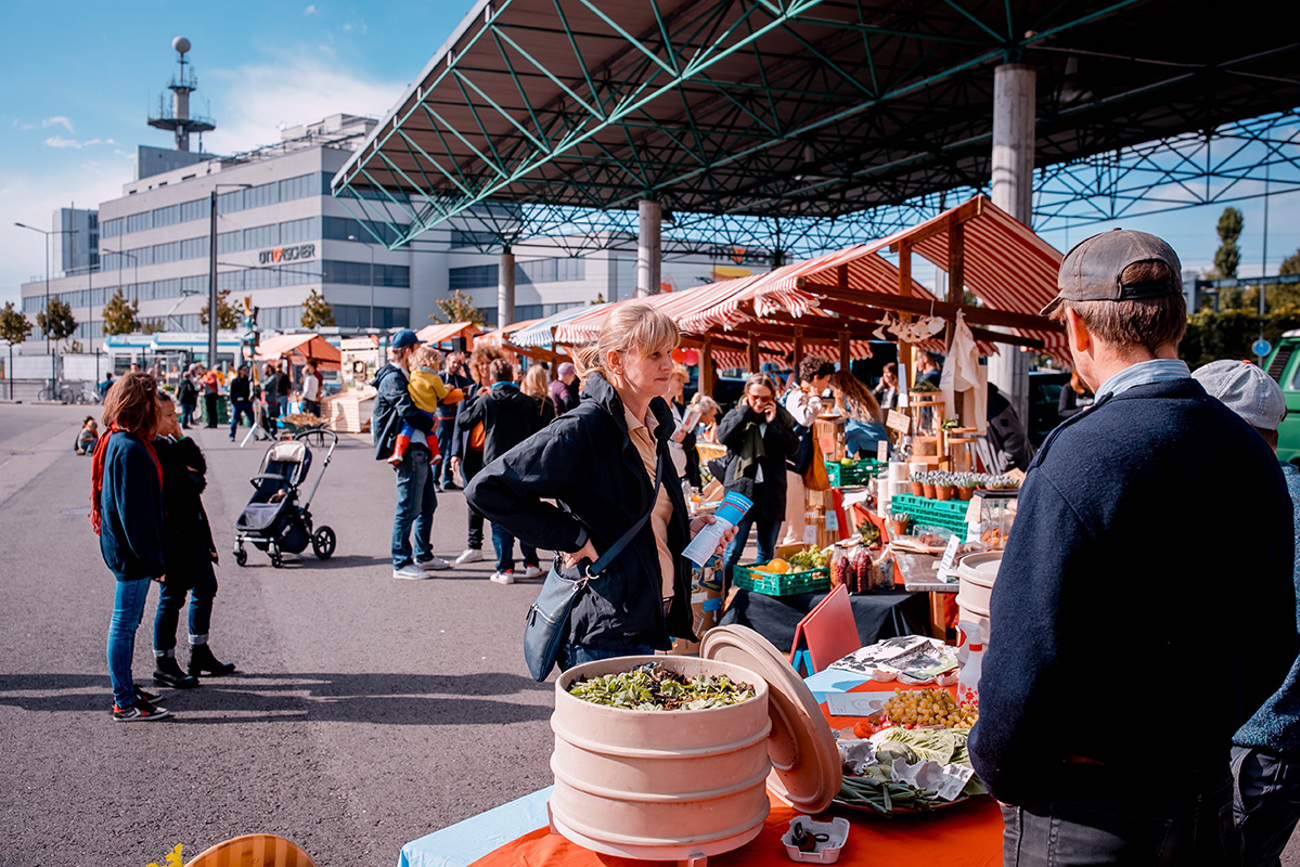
(949, 560)
(809, 534)
(899, 421)
(832, 521)
(882, 451)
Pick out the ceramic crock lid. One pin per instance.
(805, 760)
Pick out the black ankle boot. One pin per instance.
(203, 662)
(167, 673)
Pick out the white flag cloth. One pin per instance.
(961, 372)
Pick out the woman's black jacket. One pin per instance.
(189, 537)
(586, 462)
(780, 442)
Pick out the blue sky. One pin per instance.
(80, 79)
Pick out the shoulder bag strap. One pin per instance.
(617, 548)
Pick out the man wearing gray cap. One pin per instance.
(1266, 750)
(1113, 582)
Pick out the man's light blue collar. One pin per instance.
(1144, 373)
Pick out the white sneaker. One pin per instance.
(503, 577)
(469, 555)
(433, 564)
(533, 572)
(410, 572)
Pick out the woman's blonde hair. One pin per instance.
(858, 399)
(679, 371)
(536, 382)
(636, 327)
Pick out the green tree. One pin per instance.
(316, 311)
(14, 328)
(458, 307)
(121, 316)
(1228, 256)
(56, 321)
(1230, 333)
(227, 316)
(151, 326)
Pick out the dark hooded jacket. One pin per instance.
(779, 443)
(586, 462)
(189, 535)
(393, 407)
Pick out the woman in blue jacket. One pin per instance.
(598, 463)
(127, 513)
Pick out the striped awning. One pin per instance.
(1005, 265)
(680, 305)
(440, 332)
(539, 334)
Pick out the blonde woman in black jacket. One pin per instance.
(598, 463)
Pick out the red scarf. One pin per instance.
(97, 473)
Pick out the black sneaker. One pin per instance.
(146, 695)
(140, 711)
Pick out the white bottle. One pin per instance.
(968, 682)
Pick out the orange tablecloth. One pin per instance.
(965, 835)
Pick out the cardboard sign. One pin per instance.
(899, 421)
(949, 560)
(882, 451)
(810, 534)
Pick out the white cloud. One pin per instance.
(57, 120)
(290, 89)
(310, 10)
(58, 141)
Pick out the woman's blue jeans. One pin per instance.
(504, 543)
(128, 611)
(171, 599)
(768, 531)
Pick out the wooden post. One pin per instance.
(753, 354)
(798, 347)
(905, 354)
(845, 357)
(706, 366)
(956, 275)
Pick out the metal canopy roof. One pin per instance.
(794, 108)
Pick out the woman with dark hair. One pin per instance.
(188, 553)
(1075, 397)
(760, 437)
(865, 426)
(467, 446)
(886, 391)
(127, 513)
(804, 403)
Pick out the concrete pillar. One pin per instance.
(1013, 189)
(506, 289)
(648, 249)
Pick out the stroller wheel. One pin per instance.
(323, 543)
(276, 560)
(241, 556)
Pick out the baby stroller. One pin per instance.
(273, 521)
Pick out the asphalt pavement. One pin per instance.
(366, 711)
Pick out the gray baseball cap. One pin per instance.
(1091, 270)
(1246, 390)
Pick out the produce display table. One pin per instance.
(964, 835)
(920, 576)
(884, 614)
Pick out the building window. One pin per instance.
(472, 277)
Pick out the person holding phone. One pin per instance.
(760, 436)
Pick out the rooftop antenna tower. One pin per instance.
(178, 120)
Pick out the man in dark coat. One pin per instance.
(241, 400)
(1113, 509)
(416, 497)
(509, 417)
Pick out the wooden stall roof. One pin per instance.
(299, 347)
(439, 332)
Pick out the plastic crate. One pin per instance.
(769, 584)
(856, 473)
(948, 514)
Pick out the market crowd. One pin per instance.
(1109, 587)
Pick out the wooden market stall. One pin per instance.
(442, 332)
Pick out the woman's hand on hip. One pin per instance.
(587, 551)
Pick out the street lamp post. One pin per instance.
(54, 374)
(212, 269)
(372, 279)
